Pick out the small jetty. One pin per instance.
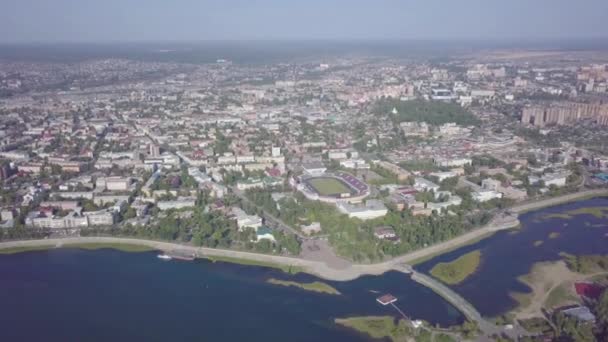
(180, 254)
(386, 299)
(389, 299)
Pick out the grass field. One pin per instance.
(125, 247)
(316, 286)
(285, 268)
(329, 186)
(378, 327)
(456, 271)
(13, 250)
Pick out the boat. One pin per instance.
(164, 256)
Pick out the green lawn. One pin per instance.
(329, 186)
(457, 270)
(598, 212)
(285, 268)
(124, 247)
(378, 327)
(316, 286)
(13, 250)
(559, 296)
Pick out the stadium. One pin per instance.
(333, 187)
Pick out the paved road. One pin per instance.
(533, 205)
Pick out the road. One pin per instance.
(318, 268)
(487, 328)
(533, 205)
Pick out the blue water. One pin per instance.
(108, 295)
(510, 254)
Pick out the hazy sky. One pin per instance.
(135, 20)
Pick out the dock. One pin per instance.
(180, 254)
(386, 299)
(389, 299)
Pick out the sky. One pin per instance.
(199, 20)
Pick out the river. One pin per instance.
(108, 295)
(506, 255)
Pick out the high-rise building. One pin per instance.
(276, 151)
(565, 113)
(154, 150)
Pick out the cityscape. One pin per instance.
(307, 174)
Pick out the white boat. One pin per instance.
(164, 257)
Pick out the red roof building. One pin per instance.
(589, 290)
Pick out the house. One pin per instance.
(356, 164)
(422, 184)
(490, 184)
(401, 174)
(485, 195)
(312, 228)
(452, 162)
(246, 221)
(441, 176)
(264, 233)
(385, 233)
(179, 203)
(249, 183)
(581, 313)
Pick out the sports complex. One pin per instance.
(333, 187)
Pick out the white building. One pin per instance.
(452, 162)
(485, 195)
(179, 203)
(441, 176)
(314, 168)
(371, 210)
(249, 183)
(246, 221)
(414, 128)
(422, 184)
(312, 228)
(356, 164)
(558, 179)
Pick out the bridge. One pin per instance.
(487, 328)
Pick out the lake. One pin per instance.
(109, 295)
(509, 254)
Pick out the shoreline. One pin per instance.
(318, 268)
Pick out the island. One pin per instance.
(456, 271)
(316, 286)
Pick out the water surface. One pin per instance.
(108, 295)
(510, 254)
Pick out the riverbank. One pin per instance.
(476, 235)
(551, 202)
(124, 247)
(552, 286)
(318, 268)
(288, 264)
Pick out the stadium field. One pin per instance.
(329, 186)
